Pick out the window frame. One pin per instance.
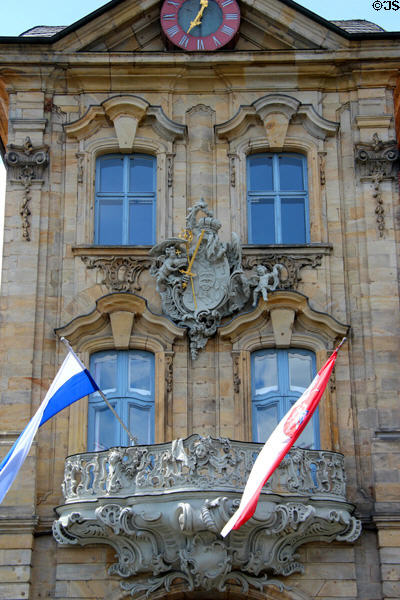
(127, 197)
(277, 195)
(121, 398)
(283, 398)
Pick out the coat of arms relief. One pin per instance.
(201, 280)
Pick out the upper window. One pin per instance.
(277, 199)
(279, 377)
(127, 379)
(125, 199)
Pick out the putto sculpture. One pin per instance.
(200, 278)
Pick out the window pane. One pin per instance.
(110, 222)
(291, 173)
(266, 421)
(141, 174)
(141, 223)
(104, 429)
(293, 221)
(262, 221)
(111, 174)
(105, 372)
(265, 373)
(300, 371)
(261, 173)
(141, 373)
(140, 424)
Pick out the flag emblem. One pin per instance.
(295, 418)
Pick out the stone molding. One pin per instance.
(276, 111)
(126, 112)
(160, 507)
(321, 326)
(26, 163)
(18, 526)
(82, 330)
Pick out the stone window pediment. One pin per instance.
(122, 321)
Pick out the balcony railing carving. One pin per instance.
(197, 463)
(162, 508)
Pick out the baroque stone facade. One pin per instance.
(292, 84)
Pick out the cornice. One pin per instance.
(379, 54)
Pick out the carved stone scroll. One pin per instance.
(290, 274)
(378, 161)
(232, 168)
(322, 167)
(170, 169)
(27, 164)
(121, 273)
(81, 166)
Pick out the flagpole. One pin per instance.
(131, 437)
(341, 343)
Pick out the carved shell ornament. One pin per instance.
(200, 278)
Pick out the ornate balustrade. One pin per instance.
(198, 463)
(162, 508)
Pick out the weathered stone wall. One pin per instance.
(45, 285)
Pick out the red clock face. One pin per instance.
(200, 25)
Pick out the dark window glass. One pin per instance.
(127, 379)
(292, 219)
(278, 378)
(125, 200)
(277, 199)
(262, 221)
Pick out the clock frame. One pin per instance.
(221, 17)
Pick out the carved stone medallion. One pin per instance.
(201, 280)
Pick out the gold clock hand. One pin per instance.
(189, 269)
(197, 19)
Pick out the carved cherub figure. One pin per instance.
(264, 278)
(172, 263)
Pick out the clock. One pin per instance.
(200, 25)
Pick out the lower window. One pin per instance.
(279, 377)
(126, 377)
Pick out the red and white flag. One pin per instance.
(279, 443)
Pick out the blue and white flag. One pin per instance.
(72, 382)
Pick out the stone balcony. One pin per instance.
(161, 507)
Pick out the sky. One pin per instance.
(19, 16)
(24, 14)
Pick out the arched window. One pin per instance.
(125, 207)
(126, 377)
(278, 378)
(277, 199)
